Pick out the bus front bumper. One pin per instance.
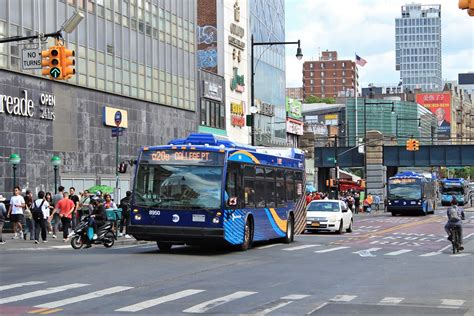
(175, 234)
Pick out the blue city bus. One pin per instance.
(206, 190)
(457, 187)
(411, 193)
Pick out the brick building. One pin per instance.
(329, 77)
(294, 93)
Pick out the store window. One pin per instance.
(212, 114)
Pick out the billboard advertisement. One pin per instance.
(294, 108)
(439, 104)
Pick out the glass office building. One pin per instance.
(418, 47)
(136, 56)
(267, 24)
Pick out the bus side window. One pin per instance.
(270, 195)
(249, 186)
(298, 184)
(233, 186)
(290, 186)
(280, 188)
(259, 187)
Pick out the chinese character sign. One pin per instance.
(440, 105)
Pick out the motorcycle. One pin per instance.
(105, 234)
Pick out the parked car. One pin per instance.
(329, 215)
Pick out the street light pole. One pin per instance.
(299, 55)
(56, 162)
(14, 160)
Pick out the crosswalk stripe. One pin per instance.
(330, 249)
(15, 285)
(343, 298)
(460, 255)
(157, 301)
(38, 293)
(367, 250)
(85, 297)
(294, 297)
(451, 303)
(399, 252)
(204, 307)
(300, 247)
(268, 246)
(430, 254)
(273, 308)
(391, 300)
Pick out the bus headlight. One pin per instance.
(138, 217)
(215, 220)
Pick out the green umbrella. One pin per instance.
(101, 188)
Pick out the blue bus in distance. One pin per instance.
(203, 190)
(454, 187)
(411, 193)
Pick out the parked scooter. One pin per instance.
(105, 235)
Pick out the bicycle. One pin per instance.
(456, 242)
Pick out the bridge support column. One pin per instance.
(376, 172)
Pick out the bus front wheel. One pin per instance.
(248, 235)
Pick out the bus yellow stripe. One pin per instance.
(280, 222)
(246, 153)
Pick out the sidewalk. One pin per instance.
(54, 243)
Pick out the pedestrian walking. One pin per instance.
(74, 198)
(15, 212)
(377, 202)
(49, 198)
(3, 216)
(357, 203)
(64, 208)
(30, 225)
(125, 220)
(55, 220)
(40, 211)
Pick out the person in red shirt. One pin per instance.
(65, 207)
(309, 198)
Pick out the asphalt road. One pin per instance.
(386, 266)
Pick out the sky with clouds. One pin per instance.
(367, 27)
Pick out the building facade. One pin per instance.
(134, 56)
(267, 24)
(329, 77)
(466, 82)
(294, 93)
(418, 47)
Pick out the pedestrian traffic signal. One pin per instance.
(122, 167)
(467, 5)
(50, 61)
(67, 61)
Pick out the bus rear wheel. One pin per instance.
(248, 236)
(290, 234)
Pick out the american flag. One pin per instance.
(360, 61)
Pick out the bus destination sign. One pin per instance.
(398, 181)
(183, 156)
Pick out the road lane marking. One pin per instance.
(391, 300)
(301, 247)
(317, 308)
(268, 246)
(38, 310)
(399, 252)
(12, 286)
(444, 248)
(61, 247)
(430, 254)
(460, 255)
(204, 307)
(331, 249)
(343, 298)
(157, 301)
(38, 293)
(294, 297)
(51, 311)
(273, 308)
(466, 237)
(85, 297)
(366, 252)
(448, 303)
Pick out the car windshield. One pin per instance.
(178, 187)
(404, 191)
(324, 207)
(452, 190)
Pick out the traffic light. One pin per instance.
(410, 145)
(249, 120)
(416, 145)
(467, 5)
(50, 61)
(330, 183)
(67, 61)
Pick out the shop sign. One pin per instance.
(237, 111)
(24, 106)
(236, 42)
(110, 117)
(236, 30)
(294, 127)
(265, 108)
(294, 108)
(331, 119)
(237, 83)
(212, 90)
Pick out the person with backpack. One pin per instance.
(40, 213)
(125, 220)
(455, 216)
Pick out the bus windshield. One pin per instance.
(452, 190)
(178, 186)
(404, 191)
